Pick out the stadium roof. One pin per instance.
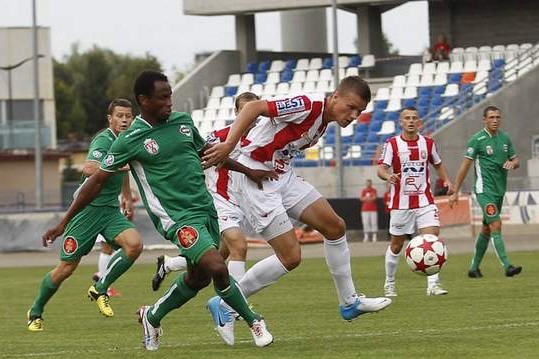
(234, 7)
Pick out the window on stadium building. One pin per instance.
(22, 111)
(535, 146)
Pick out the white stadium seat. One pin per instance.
(326, 75)
(269, 90)
(217, 91)
(257, 89)
(367, 62)
(315, 63)
(299, 76)
(429, 68)
(451, 90)
(273, 78)
(302, 65)
(214, 103)
(282, 88)
(296, 87)
(388, 128)
(382, 94)
(415, 69)
(234, 80)
(227, 102)
(413, 80)
(399, 81)
(247, 79)
(312, 75)
(276, 66)
(393, 105)
(309, 86)
(410, 92)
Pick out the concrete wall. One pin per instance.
(520, 108)
(484, 22)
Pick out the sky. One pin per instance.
(160, 28)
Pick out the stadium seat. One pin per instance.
(447, 113)
(312, 75)
(252, 67)
(439, 89)
(396, 93)
(480, 76)
(399, 81)
(442, 68)
(410, 92)
(327, 63)
(344, 62)
(257, 89)
(456, 67)
(367, 62)
(286, 75)
(424, 91)
(426, 80)
(223, 114)
(247, 79)
(483, 65)
(276, 66)
(467, 77)
(197, 115)
(454, 78)
(234, 80)
(230, 90)
(370, 107)
(315, 63)
(309, 87)
(273, 78)
(429, 68)
(283, 88)
(326, 75)
(323, 87)
(393, 105)
(408, 102)
(260, 77)
(440, 79)
(263, 66)
(214, 103)
(382, 94)
(470, 66)
(290, 64)
(525, 47)
(422, 111)
(299, 76)
(296, 87)
(352, 71)
(227, 102)
(302, 65)
(354, 61)
(498, 63)
(210, 115)
(415, 69)
(269, 90)
(451, 90)
(244, 88)
(412, 80)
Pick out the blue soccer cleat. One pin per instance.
(223, 320)
(362, 306)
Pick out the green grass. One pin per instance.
(492, 317)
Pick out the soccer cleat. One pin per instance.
(475, 273)
(102, 301)
(223, 320)
(150, 336)
(35, 323)
(436, 290)
(512, 271)
(390, 290)
(362, 306)
(160, 273)
(261, 335)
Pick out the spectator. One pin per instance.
(441, 49)
(369, 211)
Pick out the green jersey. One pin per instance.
(111, 189)
(490, 153)
(165, 163)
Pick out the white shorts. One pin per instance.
(229, 215)
(100, 239)
(404, 221)
(261, 207)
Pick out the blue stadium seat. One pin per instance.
(380, 105)
(264, 66)
(330, 130)
(373, 137)
(261, 77)
(346, 140)
(252, 67)
(436, 100)
(286, 75)
(362, 127)
(354, 61)
(423, 101)
(494, 86)
(231, 90)
(290, 64)
(498, 63)
(439, 89)
(330, 139)
(328, 63)
(392, 116)
(409, 102)
(422, 111)
(377, 117)
(453, 78)
(360, 137)
(424, 91)
(384, 138)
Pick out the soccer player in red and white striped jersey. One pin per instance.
(408, 155)
(295, 123)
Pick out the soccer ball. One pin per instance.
(426, 254)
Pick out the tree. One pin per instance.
(387, 46)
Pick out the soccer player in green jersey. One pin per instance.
(101, 216)
(162, 148)
(492, 152)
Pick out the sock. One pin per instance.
(365, 237)
(102, 262)
(338, 261)
(175, 264)
(374, 237)
(392, 260)
(233, 296)
(236, 269)
(177, 295)
(499, 248)
(118, 265)
(262, 274)
(46, 290)
(481, 244)
(433, 279)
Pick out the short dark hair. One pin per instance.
(409, 108)
(245, 96)
(144, 84)
(357, 85)
(121, 102)
(490, 108)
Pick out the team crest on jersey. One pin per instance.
(151, 146)
(70, 245)
(290, 105)
(187, 236)
(423, 155)
(184, 130)
(491, 209)
(109, 160)
(489, 150)
(97, 154)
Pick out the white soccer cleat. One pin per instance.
(150, 338)
(362, 306)
(436, 290)
(390, 290)
(261, 335)
(223, 320)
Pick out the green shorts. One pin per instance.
(81, 232)
(196, 238)
(491, 206)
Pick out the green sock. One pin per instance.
(233, 296)
(119, 263)
(481, 245)
(177, 295)
(46, 291)
(499, 246)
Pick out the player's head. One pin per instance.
(348, 101)
(410, 122)
(119, 115)
(492, 117)
(154, 95)
(242, 99)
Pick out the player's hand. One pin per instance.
(259, 176)
(50, 236)
(453, 199)
(127, 208)
(394, 178)
(509, 165)
(216, 154)
(450, 188)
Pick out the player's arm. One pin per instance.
(127, 199)
(247, 116)
(512, 164)
(88, 192)
(385, 174)
(444, 176)
(461, 175)
(257, 176)
(90, 167)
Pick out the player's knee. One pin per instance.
(238, 251)
(291, 261)
(335, 228)
(396, 247)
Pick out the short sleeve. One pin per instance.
(471, 149)
(98, 150)
(289, 109)
(118, 155)
(435, 158)
(199, 142)
(510, 149)
(386, 158)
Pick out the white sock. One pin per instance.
(174, 264)
(236, 269)
(392, 260)
(374, 238)
(338, 262)
(261, 275)
(102, 262)
(432, 280)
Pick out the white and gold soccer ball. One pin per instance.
(426, 254)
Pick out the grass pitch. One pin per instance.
(492, 317)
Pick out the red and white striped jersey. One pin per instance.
(295, 123)
(411, 160)
(218, 180)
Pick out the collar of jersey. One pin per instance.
(111, 131)
(490, 135)
(139, 117)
